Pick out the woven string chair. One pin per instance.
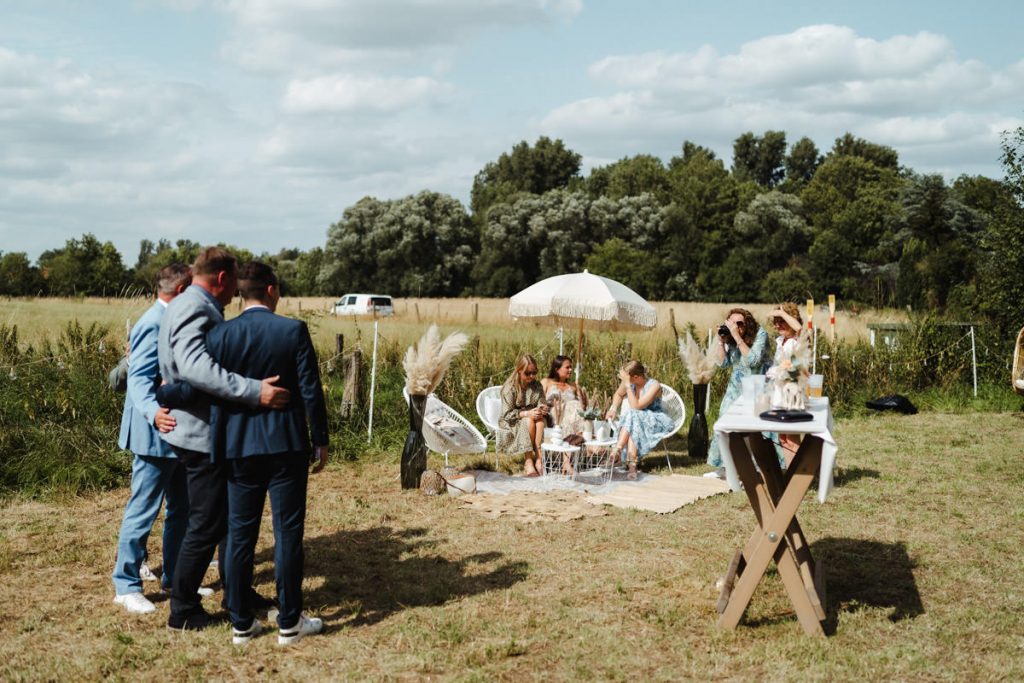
(1018, 364)
(490, 393)
(448, 433)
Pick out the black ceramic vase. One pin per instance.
(414, 455)
(697, 439)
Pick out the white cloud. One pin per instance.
(310, 36)
(910, 92)
(347, 92)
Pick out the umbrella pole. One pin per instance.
(579, 352)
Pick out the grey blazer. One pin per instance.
(183, 357)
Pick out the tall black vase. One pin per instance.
(697, 439)
(414, 455)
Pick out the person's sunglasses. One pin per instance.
(530, 374)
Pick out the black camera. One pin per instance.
(723, 332)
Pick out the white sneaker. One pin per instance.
(146, 574)
(307, 626)
(243, 637)
(718, 473)
(205, 591)
(136, 603)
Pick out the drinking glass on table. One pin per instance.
(815, 385)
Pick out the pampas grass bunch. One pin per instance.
(427, 360)
(699, 364)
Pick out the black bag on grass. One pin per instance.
(900, 404)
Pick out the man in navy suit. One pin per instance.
(157, 474)
(267, 451)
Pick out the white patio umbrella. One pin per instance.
(590, 299)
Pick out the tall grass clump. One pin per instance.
(58, 420)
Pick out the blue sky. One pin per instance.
(258, 122)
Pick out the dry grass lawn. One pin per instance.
(921, 541)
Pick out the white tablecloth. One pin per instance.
(741, 418)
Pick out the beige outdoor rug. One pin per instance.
(555, 506)
(660, 494)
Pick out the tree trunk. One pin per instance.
(697, 439)
(414, 455)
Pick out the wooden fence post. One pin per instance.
(339, 344)
(353, 378)
(476, 311)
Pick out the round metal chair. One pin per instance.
(446, 432)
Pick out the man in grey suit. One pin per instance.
(183, 357)
(157, 474)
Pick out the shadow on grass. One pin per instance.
(848, 475)
(861, 573)
(370, 574)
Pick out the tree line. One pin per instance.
(781, 222)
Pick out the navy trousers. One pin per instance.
(250, 479)
(207, 522)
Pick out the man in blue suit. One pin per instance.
(157, 473)
(267, 451)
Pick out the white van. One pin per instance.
(364, 304)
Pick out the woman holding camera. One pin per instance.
(523, 416)
(742, 346)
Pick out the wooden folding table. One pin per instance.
(775, 495)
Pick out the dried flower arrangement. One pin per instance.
(427, 361)
(700, 366)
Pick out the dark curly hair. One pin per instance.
(750, 326)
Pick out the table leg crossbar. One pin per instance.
(774, 497)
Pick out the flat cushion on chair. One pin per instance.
(492, 409)
(453, 431)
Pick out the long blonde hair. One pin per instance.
(524, 361)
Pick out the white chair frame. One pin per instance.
(438, 442)
(492, 427)
(671, 403)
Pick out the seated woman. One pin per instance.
(565, 398)
(645, 419)
(787, 322)
(523, 416)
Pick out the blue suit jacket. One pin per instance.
(138, 434)
(259, 343)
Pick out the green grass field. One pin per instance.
(921, 541)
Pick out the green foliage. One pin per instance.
(58, 420)
(791, 283)
(18, 277)
(547, 165)
(630, 177)
(84, 267)
(617, 260)
(852, 146)
(761, 159)
(422, 245)
(801, 162)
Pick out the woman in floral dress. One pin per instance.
(745, 350)
(641, 426)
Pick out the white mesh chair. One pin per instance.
(674, 407)
(488, 409)
(446, 432)
(1017, 376)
